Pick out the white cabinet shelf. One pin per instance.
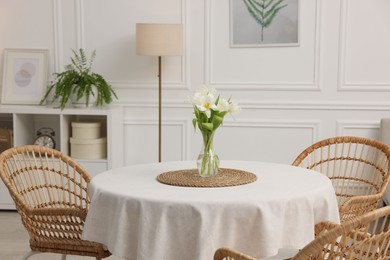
(26, 120)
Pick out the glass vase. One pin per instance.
(208, 161)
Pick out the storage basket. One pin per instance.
(6, 139)
(88, 148)
(86, 130)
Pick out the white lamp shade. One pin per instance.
(159, 39)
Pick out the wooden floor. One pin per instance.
(14, 242)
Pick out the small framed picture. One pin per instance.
(24, 76)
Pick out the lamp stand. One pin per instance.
(159, 108)
(159, 40)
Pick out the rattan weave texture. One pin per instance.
(365, 237)
(50, 191)
(358, 167)
(190, 178)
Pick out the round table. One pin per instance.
(138, 218)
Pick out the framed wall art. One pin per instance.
(262, 23)
(24, 76)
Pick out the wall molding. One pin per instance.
(261, 85)
(343, 84)
(182, 123)
(80, 18)
(342, 125)
(183, 83)
(342, 105)
(275, 105)
(186, 127)
(314, 125)
(134, 85)
(58, 35)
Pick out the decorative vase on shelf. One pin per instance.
(208, 161)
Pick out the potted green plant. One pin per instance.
(80, 84)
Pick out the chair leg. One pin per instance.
(63, 257)
(28, 254)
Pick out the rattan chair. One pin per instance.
(358, 168)
(50, 193)
(365, 237)
(225, 253)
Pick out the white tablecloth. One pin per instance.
(138, 218)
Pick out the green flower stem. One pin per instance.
(210, 162)
(208, 140)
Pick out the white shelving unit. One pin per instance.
(26, 120)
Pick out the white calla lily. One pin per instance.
(205, 105)
(222, 106)
(234, 109)
(206, 90)
(204, 99)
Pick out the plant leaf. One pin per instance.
(78, 79)
(264, 11)
(194, 122)
(217, 121)
(207, 126)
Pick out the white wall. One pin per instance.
(336, 82)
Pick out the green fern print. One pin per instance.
(264, 11)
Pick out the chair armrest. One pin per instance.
(359, 205)
(228, 253)
(45, 223)
(323, 227)
(58, 212)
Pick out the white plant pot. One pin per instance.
(82, 102)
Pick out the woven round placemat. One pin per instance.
(190, 178)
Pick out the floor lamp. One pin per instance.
(159, 40)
